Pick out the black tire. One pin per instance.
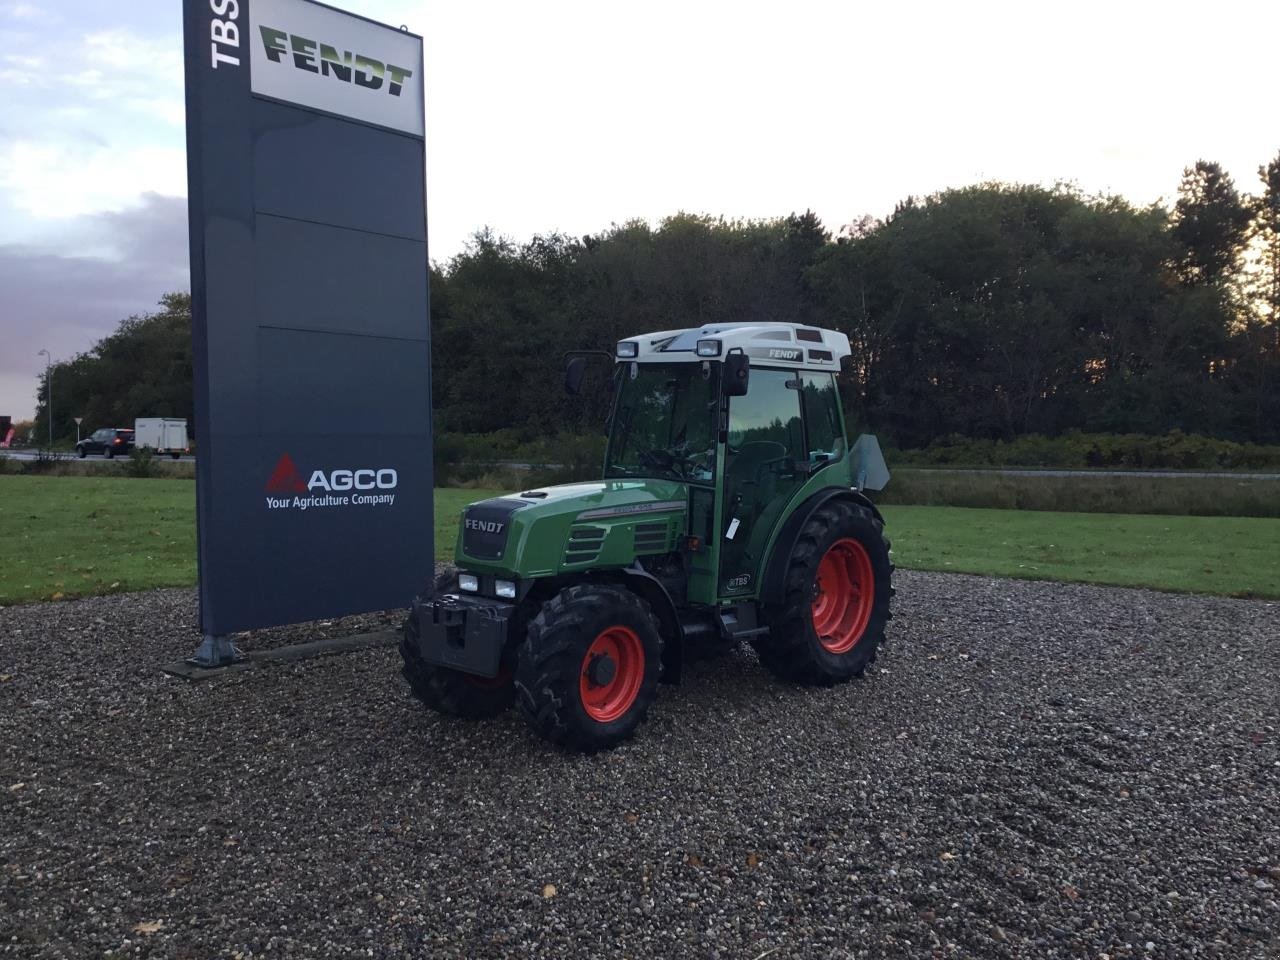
(792, 649)
(452, 692)
(80, 451)
(554, 659)
(109, 453)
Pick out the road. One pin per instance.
(991, 471)
(30, 454)
(1015, 472)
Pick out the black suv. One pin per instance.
(108, 441)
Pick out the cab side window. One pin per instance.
(821, 403)
(767, 414)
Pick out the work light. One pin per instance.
(708, 348)
(628, 349)
(505, 589)
(469, 582)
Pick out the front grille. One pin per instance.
(651, 537)
(485, 526)
(584, 544)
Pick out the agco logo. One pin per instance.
(343, 487)
(327, 61)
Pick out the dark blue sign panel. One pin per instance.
(305, 163)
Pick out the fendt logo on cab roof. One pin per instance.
(790, 354)
(341, 488)
(327, 61)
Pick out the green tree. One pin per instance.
(1210, 222)
(1267, 233)
(999, 310)
(143, 369)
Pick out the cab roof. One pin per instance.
(767, 344)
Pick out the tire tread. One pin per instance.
(790, 649)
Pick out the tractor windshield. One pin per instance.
(663, 423)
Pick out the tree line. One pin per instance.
(143, 369)
(992, 311)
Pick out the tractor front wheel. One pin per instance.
(836, 602)
(587, 671)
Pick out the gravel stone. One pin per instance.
(1031, 770)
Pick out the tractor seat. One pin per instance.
(748, 463)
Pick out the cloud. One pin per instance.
(64, 303)
(29, 12)
(59, 180)
(96, 132)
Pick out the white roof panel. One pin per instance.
(767, 344)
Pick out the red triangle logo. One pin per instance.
(285, 478)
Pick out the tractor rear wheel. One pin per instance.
(587, 671)
(835, 605)
(447, 691)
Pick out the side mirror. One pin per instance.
(573, 371)
(735, 375)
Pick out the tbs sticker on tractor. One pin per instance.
(363, 487)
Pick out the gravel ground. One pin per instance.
(1034, 770)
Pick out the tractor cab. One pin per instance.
(731, 507)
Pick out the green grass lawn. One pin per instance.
(72, 536)
(1235, 556)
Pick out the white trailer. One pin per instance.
(162, 435)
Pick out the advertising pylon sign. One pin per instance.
(306, 155)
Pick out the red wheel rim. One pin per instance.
(845, 594)
(612, 672)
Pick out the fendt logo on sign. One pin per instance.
(327, 61)
(314, 56)
(344, 487)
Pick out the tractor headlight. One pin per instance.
(505, 589)
(628, 349)
(469, 582)
(708, 348)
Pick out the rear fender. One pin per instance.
(775, 575)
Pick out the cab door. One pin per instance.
(765, 463)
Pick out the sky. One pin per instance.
(570, 116)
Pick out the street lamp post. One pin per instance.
(48, 383)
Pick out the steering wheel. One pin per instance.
(658, 459)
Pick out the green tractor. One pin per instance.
(731, 508)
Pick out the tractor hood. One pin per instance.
(542, 531)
